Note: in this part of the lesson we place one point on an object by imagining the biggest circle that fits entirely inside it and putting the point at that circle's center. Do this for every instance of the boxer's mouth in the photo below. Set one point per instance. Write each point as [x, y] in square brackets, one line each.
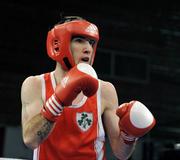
[85, 59]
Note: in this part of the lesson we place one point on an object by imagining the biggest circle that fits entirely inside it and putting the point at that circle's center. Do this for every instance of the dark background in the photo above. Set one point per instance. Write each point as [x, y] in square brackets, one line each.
[139, 52]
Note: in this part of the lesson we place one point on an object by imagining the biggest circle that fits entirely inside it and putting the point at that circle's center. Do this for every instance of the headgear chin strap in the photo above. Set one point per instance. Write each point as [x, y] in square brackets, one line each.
[59, 38]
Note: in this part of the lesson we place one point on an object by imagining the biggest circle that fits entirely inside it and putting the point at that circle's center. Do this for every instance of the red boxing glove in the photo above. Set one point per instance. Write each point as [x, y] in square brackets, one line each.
[80, 78]
[135, 120]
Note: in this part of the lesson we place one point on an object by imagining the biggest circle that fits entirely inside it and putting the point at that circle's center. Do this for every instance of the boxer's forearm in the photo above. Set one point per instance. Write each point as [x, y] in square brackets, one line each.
[36, 130]
[122, 150]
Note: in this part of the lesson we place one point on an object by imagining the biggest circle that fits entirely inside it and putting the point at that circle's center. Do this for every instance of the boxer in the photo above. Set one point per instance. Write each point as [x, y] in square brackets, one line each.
[67, 112]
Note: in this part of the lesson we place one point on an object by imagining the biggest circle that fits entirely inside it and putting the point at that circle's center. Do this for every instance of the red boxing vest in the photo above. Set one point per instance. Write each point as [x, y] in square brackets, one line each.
[78, 133]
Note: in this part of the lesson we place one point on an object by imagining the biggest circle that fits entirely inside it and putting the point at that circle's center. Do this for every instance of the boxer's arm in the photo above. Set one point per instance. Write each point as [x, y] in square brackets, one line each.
[111, 120]
[35, 128]
[37, 121]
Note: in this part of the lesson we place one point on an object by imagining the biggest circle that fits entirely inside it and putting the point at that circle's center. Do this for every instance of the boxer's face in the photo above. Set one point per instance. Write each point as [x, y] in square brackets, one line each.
[82, 49]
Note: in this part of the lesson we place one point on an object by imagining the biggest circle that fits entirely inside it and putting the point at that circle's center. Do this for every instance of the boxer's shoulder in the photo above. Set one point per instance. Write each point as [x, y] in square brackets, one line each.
[33, 81]
[108, 95]
[107, 86]
[32, 86]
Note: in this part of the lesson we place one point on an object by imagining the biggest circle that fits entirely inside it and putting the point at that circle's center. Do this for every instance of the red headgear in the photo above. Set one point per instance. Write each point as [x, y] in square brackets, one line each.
[59, 38]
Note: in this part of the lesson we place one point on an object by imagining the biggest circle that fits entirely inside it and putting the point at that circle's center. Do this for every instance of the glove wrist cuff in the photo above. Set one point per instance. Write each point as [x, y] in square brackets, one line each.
[52, 108]
[127, 138]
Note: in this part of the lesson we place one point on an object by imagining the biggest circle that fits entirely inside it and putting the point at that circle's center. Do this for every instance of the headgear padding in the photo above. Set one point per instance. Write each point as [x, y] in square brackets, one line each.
[59, 39]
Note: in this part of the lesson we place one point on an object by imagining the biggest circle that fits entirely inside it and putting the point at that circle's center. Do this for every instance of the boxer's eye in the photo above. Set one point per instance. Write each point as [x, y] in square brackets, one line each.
[91, 42]
[79, 39]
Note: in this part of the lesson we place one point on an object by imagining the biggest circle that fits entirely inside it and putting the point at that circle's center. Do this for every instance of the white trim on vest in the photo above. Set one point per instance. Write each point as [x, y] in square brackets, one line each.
[53, 81]
[99, 143]
[43, 91]
[81, 103]
[36, 154]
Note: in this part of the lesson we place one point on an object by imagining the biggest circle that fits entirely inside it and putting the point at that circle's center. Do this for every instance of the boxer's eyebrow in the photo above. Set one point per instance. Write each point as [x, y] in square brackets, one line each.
[90, 40]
